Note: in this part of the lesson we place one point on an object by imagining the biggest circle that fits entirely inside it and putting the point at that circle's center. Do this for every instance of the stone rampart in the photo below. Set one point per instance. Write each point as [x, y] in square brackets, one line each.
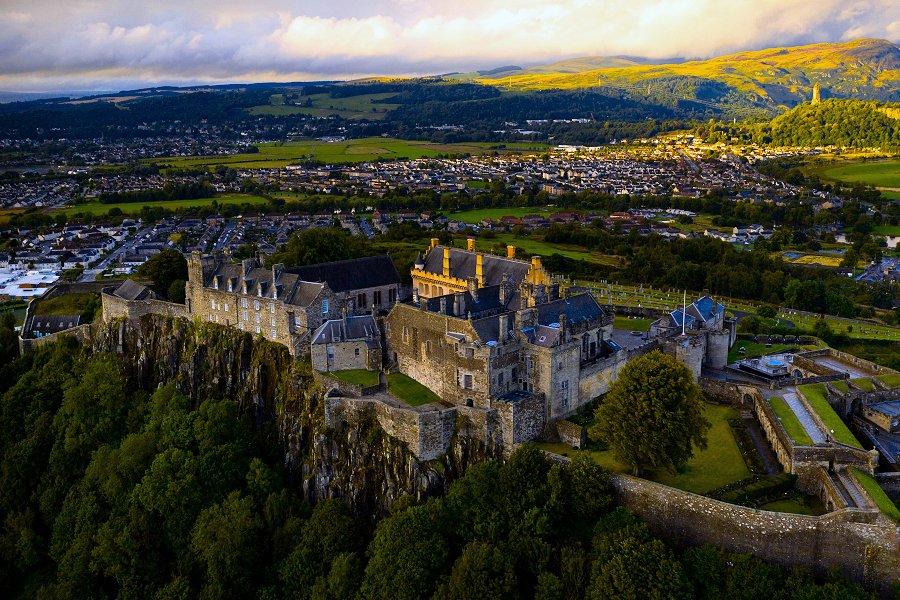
[778, 439]
[722, 391]
[857, 362]
[132, 310]
[426, 434]
[522, 420]
[861, 544]
[82, 333]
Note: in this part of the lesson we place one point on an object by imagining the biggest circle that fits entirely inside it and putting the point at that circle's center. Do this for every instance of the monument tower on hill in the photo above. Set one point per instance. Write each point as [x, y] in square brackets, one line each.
[817, 93]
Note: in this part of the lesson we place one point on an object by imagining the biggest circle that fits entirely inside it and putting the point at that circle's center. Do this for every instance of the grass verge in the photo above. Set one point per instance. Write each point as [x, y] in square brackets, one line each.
[815, 394]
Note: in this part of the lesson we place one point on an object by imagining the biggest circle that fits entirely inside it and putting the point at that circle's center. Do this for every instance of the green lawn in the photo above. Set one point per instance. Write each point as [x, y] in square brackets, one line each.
[409, 390]
[720, 464]
[885, 504]
[892, 379]
[632, 324]
[67, 304]
[323, 105]
[863, 383]
[815, 394]
[887, 229]
[281, 154]
[133, 208]
[792, 505]
[789, 421]
[357, 376]
[534, 246]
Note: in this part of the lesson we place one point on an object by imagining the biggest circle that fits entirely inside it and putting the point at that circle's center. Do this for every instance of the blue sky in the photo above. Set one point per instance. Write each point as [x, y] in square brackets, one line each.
[95, 44]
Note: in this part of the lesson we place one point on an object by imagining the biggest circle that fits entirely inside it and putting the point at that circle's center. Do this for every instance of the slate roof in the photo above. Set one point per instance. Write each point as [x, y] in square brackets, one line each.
[288, 287]
[542, 335]
[462, 266]
[582, 307]
[706, 308]
[132, 290]
[352, 274]
[488, 300]
[47, 324]
[349, 329]
[677, 316]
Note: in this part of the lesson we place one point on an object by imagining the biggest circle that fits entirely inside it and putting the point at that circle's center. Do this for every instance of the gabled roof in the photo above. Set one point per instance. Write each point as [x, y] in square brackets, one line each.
[132, 290]
[677, 316]
[706, 308]
[462, 266]
[348, 329]
[352, 274]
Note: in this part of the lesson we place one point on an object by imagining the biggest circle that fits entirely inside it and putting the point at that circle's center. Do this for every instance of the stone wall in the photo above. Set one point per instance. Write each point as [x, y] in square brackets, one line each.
[890, 483]
[571, 433]
[347, 355]
[522, 420]
[132, 310]
[720, 390]
[860, 363]
[82, 333]
[426, 434]
[861, 544]
[778, 438]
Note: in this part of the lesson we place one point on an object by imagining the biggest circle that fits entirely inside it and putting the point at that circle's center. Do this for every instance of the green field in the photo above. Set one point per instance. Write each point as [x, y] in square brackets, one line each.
[887, 229]
[281, 154]
[632, 324]
[477, 215]
[540, 248]
[879, 173]
[134, 208]
[357, 377]
[720, 464]
[815, 393]
[323, 105]
[790, 422]
[409, 390]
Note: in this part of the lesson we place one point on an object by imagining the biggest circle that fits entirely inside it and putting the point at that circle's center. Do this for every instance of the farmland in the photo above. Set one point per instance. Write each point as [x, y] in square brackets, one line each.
[365, 106]
[879, 173]
[281, 154]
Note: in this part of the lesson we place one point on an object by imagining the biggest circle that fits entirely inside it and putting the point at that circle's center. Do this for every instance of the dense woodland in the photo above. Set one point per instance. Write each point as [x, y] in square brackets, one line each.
[110, 491]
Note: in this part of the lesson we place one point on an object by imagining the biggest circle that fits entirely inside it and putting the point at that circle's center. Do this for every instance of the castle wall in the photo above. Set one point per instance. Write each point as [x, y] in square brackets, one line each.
[347, 355]
[717, 345]
[132, 310]
[690, 349]
[522, 420]
[571, 433]
[861, 544]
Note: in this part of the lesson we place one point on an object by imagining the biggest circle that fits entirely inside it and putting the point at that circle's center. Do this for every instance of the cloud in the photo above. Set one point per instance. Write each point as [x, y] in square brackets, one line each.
[48, 44]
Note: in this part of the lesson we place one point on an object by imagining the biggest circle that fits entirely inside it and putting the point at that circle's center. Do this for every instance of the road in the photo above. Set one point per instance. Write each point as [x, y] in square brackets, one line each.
[121, 251]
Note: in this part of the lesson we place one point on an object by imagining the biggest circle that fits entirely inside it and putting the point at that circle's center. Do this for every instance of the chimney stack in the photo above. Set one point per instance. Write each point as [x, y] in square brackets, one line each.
[470, 244]
[434, 242]
[443, 305]
[562, 328]
[459, 304]
[504, 327]
[510, 251]
[446, 262]
[479, 269]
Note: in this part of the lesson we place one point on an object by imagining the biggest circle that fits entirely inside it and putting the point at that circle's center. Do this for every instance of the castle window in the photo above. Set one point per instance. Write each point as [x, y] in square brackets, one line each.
[564, 393]
[215, 283]
[229, 286]
[467, 382]
[356, 351]
[325, 306]
[392, 295]
[257, 320]
[257, 329]
[272, 308]
[212, 304]
[376, 298]
[226, 307]
[273, 334]
[298, 322]
[256, 304]
[405, 333]
[243, 303]
[273, 321]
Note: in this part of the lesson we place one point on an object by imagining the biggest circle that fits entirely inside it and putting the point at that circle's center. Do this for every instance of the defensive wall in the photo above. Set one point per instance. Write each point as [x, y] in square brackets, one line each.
[857, 362]
[82, 332]
[861, 544]
[132, 310]
[595, 379]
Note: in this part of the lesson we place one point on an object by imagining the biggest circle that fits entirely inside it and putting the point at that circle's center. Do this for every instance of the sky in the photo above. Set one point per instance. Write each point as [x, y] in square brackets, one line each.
[121, 44]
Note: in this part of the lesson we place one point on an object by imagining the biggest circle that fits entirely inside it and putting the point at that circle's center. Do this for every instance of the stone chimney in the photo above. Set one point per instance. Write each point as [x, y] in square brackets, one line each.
[277, 270]
[470, 244]
[504, 327]
[479, 269]
[506, 289]
[345, 323]
[443, 305]
[434, 242]
[459, 304]
[553, 292]
[562, 329]
[246, 265]
[510, 251]
[446, 262]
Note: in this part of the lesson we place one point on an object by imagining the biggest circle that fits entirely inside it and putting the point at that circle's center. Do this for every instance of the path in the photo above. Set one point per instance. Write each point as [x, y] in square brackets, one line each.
[842, 367]
[796, 405]
[766, 455]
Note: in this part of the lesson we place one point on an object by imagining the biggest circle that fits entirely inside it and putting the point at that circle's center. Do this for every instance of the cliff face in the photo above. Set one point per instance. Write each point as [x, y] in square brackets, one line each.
[357, 462]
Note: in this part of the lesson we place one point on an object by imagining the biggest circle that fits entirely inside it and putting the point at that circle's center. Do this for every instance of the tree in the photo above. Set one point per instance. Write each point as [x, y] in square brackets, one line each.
[482, 571]
[164, 269]
[652, 416]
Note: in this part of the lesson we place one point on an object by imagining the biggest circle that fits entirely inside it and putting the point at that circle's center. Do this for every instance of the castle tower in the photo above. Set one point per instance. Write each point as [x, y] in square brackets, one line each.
[817, 93]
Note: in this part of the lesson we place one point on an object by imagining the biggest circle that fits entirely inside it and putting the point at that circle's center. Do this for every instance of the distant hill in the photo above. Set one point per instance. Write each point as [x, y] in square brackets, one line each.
[772, 80]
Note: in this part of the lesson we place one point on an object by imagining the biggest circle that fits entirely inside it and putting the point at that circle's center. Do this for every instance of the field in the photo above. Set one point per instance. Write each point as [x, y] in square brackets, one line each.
[6, 214]
[887, 229]
[323, 105]
[815, 393]
[720, 464]
[632, 324]
[134, 208]
[879, 173]
[861, 329]
[814, 259]
[477, 215]
[539, 247]
[281, 154]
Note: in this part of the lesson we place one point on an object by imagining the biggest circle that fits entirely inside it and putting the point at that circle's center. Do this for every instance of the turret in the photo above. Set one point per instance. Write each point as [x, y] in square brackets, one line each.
[420, 262]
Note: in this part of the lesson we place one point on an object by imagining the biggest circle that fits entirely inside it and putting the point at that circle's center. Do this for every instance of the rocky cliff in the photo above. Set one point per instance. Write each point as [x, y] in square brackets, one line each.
[357, 462]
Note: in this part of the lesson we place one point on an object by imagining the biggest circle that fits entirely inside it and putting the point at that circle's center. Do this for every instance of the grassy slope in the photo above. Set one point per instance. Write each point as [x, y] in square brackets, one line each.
[133, 208]
[409, 390]
[68, 304]
[357, 376]
[815, 393]
[877, 494]
[789, 421]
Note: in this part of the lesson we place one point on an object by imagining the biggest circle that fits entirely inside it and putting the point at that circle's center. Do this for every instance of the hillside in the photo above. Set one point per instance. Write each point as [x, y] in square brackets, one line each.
[834, 122]
[765, 79]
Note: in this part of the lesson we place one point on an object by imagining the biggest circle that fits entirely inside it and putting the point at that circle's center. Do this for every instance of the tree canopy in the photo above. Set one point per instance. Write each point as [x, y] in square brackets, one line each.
[652, 416]
[164, 269]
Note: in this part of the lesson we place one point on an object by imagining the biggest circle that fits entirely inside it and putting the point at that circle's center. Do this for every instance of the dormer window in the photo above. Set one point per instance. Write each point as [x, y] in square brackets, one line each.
[215, 283]
[229, 286]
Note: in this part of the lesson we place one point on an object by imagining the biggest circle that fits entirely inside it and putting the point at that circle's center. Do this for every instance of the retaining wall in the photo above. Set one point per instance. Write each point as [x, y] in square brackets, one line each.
[132, 310]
